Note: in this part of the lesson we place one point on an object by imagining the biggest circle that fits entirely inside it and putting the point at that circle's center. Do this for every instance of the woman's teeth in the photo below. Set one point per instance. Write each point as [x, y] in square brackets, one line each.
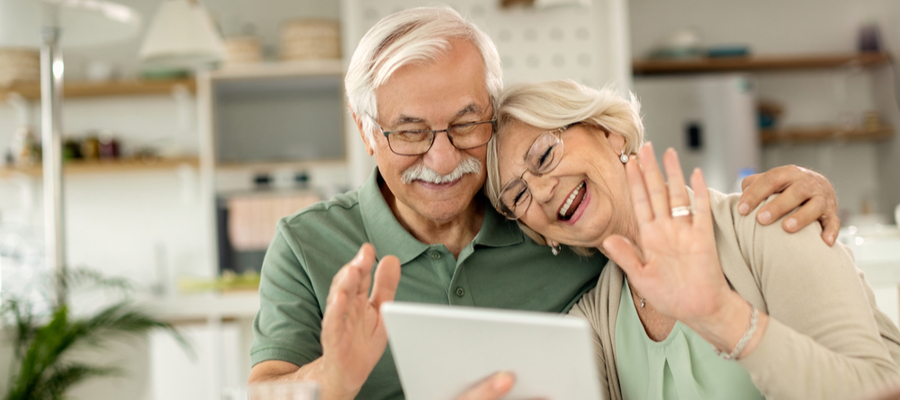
[565, 208]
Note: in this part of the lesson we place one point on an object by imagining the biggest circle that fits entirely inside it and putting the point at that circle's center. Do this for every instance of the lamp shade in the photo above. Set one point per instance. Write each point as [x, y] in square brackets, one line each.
[182, 35]
[86, 22]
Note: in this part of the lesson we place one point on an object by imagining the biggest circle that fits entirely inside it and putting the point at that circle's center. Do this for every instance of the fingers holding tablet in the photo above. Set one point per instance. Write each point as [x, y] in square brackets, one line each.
[491, 388]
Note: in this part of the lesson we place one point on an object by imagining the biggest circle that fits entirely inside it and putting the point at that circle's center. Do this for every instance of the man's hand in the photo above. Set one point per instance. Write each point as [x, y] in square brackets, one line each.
[353, 334]
[798, 187]
[492, 388]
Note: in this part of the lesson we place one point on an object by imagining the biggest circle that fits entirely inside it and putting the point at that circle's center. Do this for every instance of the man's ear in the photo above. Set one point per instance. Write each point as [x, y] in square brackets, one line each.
[362, 134]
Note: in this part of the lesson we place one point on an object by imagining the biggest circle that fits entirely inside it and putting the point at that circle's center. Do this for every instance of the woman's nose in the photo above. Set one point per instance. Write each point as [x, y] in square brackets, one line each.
[541, 187]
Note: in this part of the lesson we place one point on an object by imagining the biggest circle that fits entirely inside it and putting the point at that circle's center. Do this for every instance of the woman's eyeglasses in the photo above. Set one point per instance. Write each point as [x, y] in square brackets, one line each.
[542, 157]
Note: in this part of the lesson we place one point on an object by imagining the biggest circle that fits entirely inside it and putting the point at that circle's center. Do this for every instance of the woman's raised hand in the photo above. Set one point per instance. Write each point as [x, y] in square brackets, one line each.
[674, 266]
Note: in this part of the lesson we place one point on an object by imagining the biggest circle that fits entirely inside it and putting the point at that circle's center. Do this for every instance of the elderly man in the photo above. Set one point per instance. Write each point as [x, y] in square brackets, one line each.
[422, 88]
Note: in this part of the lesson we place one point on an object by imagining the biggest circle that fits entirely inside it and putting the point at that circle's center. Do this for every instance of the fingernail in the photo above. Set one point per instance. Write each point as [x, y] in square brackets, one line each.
[743, 208]
[764, 217]
[791, 224]
[501, 381]
[831, 240]
[359, 256]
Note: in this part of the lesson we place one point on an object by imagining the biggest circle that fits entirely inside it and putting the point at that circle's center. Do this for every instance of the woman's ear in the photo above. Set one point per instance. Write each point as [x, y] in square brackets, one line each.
[616, 141]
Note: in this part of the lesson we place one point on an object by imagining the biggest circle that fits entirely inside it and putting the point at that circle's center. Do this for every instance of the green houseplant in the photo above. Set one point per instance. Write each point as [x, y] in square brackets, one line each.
[44, 333]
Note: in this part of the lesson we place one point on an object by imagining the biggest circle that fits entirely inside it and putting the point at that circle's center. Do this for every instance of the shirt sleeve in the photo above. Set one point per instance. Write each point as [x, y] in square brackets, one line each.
[596, 307]
[289, 321]
[822, 341]
[585, 309]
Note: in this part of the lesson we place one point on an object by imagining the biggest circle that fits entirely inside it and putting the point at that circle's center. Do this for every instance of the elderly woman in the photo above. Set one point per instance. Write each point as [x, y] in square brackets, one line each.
[698, 301]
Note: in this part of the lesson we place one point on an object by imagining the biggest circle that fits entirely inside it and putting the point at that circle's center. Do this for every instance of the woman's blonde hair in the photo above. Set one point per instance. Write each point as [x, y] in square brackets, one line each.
[552, 104]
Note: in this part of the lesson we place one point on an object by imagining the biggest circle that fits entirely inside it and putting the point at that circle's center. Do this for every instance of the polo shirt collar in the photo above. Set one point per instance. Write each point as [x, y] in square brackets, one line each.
[382, 227]
[390, 238]
[496, 230]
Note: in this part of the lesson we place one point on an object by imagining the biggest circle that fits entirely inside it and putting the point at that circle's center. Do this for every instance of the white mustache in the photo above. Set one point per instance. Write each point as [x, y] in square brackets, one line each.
[420, 172]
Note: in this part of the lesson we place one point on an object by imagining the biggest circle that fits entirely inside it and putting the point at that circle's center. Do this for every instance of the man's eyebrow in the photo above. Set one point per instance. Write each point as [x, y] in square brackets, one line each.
[469, 109]
[406, 119]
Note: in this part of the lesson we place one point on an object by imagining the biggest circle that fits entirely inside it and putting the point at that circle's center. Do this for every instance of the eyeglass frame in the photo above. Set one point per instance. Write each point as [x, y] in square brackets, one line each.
[434, 132]
[558, 134]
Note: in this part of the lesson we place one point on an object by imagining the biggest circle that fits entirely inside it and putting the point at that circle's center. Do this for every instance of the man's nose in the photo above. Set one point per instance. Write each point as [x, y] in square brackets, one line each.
[443, 156]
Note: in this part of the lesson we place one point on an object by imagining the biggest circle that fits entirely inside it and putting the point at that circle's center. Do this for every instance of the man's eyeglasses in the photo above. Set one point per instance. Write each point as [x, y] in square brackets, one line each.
[413, 142]
[542, 157]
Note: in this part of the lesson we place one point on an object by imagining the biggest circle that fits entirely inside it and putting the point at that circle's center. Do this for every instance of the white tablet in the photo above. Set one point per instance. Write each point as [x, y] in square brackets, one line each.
[440, 351]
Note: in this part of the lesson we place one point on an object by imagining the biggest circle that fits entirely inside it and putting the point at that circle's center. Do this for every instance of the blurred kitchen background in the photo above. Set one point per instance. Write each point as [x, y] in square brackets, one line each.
[174, 177]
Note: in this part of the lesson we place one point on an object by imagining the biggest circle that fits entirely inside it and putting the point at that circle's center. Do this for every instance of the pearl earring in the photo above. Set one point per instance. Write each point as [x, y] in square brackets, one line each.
[554, 247]
[623, 158]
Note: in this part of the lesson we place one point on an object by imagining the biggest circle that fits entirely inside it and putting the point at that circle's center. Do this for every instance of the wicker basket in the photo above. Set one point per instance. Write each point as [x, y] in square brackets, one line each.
[243, 50]
[19, 65]
[306, 39]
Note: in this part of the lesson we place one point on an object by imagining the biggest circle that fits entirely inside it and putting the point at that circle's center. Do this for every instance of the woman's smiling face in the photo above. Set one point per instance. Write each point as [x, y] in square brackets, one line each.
[581, 201]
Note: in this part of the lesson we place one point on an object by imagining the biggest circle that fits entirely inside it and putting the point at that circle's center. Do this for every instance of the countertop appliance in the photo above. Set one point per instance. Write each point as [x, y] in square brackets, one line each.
[709, 119]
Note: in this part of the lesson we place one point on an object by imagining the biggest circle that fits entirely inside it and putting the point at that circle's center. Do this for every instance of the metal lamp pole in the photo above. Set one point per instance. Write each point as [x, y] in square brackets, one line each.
[51, 136]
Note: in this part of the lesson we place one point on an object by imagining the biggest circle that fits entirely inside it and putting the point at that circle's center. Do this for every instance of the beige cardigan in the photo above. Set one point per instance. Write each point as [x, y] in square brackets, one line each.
[825, 338]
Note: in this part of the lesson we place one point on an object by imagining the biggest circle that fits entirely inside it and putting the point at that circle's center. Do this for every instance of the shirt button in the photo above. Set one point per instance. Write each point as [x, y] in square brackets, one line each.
[435, 255]
[460, 292]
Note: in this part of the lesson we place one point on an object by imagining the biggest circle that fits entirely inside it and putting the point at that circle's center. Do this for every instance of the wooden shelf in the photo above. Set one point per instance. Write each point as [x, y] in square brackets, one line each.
[121, 165]
[756, 63]
[32, 91]
[822, 134]
[280, 69]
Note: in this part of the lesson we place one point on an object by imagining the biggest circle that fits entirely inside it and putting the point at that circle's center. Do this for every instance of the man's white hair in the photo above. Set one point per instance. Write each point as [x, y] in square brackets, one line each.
[414, 35]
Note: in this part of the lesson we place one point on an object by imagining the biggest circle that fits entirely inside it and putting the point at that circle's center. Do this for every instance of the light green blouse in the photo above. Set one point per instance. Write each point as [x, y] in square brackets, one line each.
[683, 366]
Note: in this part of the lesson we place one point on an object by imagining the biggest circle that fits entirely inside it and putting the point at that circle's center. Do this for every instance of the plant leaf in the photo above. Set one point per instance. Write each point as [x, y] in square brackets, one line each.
[66, 375]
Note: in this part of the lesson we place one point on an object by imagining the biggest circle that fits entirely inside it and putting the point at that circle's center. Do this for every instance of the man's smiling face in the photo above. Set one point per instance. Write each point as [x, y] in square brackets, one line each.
[438, 94]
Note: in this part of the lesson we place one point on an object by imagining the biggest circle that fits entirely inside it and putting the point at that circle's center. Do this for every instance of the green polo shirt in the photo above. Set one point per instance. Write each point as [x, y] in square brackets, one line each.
[500, 268]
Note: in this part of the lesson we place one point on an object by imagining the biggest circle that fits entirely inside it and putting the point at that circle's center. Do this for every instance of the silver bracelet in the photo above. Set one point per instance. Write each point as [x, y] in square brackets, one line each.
[754, 318]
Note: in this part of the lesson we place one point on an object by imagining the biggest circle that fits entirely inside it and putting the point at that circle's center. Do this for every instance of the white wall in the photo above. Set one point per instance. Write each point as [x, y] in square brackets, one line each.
[858, 171]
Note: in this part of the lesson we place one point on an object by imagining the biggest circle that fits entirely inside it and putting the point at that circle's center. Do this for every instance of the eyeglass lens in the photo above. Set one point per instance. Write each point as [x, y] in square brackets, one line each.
[542, 157]
[463, 136]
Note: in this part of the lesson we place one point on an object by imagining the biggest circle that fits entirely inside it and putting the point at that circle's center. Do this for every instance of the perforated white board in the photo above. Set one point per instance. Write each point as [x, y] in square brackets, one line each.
[587, 44]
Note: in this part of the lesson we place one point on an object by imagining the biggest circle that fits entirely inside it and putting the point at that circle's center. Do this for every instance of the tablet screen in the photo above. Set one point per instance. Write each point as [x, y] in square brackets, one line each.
[440, 351]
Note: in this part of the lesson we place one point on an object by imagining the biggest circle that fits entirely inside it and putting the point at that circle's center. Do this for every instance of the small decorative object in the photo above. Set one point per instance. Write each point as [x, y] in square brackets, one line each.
[108, 147]
[243, 50]
[769, 111]
[25, 148]
[870, 38]
[683, 43]
[305, 39]
[19, 65]
[90, 148]
[728, 51]
[71, 150]
[99, 71]
[871, 121]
